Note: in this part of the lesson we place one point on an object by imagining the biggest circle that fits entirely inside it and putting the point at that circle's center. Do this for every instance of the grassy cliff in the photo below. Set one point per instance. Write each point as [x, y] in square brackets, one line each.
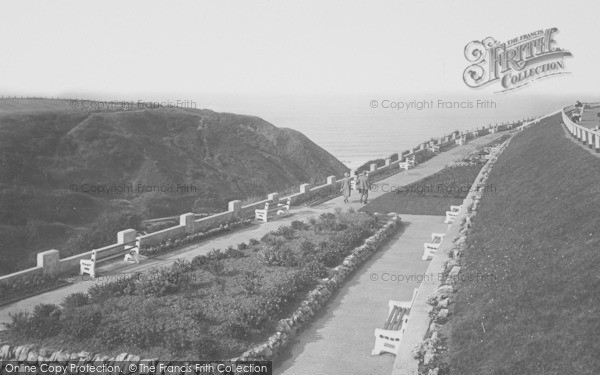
[53, 157]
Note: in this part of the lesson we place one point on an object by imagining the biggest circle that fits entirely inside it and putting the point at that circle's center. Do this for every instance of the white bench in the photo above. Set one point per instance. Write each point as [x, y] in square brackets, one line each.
[388, 339]
[270, 211]
[475, 134]
[130, 252]
[452, 214]
[433, 148]
[429, 249]
[461, 140]
[408, 163]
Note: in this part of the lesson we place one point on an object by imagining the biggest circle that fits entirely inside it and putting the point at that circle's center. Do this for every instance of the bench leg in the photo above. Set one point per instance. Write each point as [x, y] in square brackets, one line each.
[387, 341]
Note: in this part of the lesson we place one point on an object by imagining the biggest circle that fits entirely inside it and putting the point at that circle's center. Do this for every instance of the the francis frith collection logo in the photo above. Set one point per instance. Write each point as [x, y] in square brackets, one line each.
[514, 63]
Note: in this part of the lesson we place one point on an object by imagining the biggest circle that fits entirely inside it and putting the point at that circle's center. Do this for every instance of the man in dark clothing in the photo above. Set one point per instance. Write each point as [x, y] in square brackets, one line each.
[363, 185]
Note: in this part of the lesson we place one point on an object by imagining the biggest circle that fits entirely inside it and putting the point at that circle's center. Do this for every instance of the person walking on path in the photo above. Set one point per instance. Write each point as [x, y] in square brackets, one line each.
[345, 189]
[363, 185]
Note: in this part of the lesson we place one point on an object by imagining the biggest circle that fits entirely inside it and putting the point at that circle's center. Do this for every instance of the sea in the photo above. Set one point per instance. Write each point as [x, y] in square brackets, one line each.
[357, 129]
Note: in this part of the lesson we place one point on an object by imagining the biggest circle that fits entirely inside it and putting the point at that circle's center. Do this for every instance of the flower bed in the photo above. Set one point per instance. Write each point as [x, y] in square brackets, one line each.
[216, 306]
[317, 298]
[174, 243]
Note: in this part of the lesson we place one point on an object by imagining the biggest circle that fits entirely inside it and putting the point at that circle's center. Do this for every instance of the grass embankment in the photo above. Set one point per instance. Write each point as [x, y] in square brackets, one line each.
[216, 306]
[432, 195]
[539, 235]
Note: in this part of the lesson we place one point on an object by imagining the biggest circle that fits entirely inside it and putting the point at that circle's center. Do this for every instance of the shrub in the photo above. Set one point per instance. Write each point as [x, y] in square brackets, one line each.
[299, 225]
[308, 250]
[215, 267]
[314, 270]
[181, 266]
[199, 261]
[81, 322]
[120, 287]
[329, 254]
[350, 238]
[160, 282]
[234, 253]
[278, 256]
[19, 323]
[337, 210]
[285, 231]
[251, 282]
[74, 300]
[328, 222]
[242, 246]
[253, 242]
[216, 254]
[44, 320]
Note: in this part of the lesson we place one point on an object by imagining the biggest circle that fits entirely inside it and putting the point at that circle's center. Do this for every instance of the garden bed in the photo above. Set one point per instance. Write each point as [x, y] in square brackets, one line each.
[432, 195]
[175, 243]
[216, 306]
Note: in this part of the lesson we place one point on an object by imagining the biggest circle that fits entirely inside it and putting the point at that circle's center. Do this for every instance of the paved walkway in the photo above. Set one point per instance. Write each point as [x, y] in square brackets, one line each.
[590, 118]
[340, 340]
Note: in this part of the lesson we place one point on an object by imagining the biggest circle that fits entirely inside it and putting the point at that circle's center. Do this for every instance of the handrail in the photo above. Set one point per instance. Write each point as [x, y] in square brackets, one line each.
[586, 136]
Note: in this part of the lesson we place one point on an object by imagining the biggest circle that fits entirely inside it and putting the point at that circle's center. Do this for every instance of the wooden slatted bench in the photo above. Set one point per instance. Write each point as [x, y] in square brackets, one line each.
[452, 214]
[433, 148]
[270, 211]
[410, 162]
[430, 248]
[130, 251]
[387, 339]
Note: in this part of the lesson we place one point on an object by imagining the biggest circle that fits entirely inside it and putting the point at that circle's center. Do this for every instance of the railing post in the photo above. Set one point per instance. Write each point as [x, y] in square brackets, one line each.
[50, 262]
[273, 198]
[187, 220]
[235, 207]
[126, 236]
[373, 167]
[304, 188]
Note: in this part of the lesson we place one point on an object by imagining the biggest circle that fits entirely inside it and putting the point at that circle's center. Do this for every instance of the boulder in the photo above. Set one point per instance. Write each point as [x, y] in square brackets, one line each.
[443, 313]
[32, 356]
[428, 358]
[6, 352]
[22, 352]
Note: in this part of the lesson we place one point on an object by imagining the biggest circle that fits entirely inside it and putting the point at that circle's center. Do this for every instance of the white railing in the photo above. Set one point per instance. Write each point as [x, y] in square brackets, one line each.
[589, 137]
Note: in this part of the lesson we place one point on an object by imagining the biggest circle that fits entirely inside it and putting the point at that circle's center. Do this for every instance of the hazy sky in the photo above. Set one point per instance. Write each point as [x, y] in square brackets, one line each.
[131, 49]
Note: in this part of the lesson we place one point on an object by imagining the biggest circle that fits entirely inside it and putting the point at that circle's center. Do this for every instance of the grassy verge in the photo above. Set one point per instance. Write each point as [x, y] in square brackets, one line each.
[539, 235]
[432, 195]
